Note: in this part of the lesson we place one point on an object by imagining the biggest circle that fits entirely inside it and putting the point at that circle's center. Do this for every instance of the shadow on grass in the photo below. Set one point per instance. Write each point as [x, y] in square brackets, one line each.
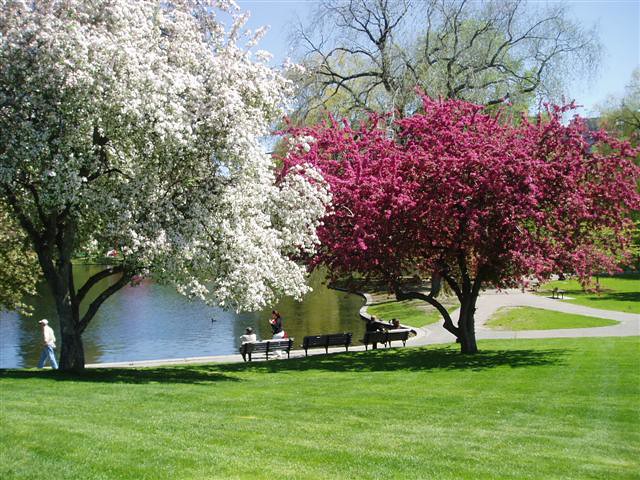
[408, 359]
[382, 360]
[617, 296]
[605, 295]
[192, 374]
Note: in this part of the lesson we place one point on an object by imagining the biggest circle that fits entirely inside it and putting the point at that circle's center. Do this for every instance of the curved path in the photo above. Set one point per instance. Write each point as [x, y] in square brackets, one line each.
[487, 304]
[491, 301]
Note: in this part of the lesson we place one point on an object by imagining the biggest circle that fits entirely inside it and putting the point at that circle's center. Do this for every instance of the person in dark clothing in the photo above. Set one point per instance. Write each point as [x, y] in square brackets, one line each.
[372, 326]
[276, 328]
[276, 325]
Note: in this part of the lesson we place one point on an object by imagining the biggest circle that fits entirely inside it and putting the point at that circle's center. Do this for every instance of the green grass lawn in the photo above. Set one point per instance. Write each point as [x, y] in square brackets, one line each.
[415, 313]
[618, 293]
[521, 409]
[528, 318]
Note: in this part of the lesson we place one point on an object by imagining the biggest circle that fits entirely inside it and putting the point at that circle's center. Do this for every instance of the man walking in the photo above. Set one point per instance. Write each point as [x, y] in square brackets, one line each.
[49, 340]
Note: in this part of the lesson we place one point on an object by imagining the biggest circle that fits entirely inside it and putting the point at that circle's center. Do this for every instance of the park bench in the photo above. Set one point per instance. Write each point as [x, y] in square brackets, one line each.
[557, 293]
[534, 285]
[326, 341]
[386, 337]
[266, 347]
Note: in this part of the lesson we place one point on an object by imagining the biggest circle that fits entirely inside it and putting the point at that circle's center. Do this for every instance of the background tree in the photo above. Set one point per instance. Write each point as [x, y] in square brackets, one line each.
[469, 200]
[376, 52]
[621, 116]
[19, 270]
[134, 129]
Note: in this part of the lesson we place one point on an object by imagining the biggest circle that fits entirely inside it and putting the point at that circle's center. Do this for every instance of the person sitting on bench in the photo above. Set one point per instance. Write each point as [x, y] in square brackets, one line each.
[248, 337]
[372, 326]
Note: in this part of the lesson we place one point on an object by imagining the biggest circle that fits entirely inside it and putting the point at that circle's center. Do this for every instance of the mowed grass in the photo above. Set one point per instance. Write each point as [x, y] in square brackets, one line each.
[528, 318]
[415, 313]
[617, 293]
[520, 409]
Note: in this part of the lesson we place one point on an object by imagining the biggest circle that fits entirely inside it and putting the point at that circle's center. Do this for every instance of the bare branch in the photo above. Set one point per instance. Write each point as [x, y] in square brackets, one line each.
[483, 51]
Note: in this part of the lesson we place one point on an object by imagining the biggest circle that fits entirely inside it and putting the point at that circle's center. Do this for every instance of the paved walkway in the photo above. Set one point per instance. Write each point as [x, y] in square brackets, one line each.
[487, 304]
[491, 301]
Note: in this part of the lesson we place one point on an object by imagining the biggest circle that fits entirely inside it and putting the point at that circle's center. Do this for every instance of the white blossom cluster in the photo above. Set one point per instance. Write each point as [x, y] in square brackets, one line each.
[140, 123]
[302, 142]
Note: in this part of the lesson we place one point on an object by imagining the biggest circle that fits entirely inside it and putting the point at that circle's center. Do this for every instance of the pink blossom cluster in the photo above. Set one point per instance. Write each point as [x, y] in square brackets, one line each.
[456, 189]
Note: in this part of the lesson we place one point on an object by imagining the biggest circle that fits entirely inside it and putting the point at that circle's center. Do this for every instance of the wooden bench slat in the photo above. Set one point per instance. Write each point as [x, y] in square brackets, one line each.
[386, 337]
[326, 341]
[266, 347]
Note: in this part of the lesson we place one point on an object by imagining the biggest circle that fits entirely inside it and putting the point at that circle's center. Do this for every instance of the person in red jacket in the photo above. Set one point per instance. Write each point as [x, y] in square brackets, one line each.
[276, 325]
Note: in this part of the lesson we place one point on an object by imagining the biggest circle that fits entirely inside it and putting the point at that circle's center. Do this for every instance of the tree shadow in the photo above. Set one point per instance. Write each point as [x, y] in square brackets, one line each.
[617, 296]
[381, 360]
[191, 374]
[408, 359]
[604, 294]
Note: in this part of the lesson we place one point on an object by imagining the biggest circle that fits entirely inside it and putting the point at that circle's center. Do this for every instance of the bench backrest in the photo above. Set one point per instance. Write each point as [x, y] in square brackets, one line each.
[387, 336]
[375, 337]
[267, 346]
[327, 340]
[399, 334]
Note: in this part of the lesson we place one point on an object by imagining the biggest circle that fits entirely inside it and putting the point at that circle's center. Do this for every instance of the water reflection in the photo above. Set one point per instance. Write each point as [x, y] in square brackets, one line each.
[152, 321]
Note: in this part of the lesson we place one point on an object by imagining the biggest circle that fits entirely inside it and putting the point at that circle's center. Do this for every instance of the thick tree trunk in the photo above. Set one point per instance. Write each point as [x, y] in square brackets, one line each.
[467, 290]
[466, 326]
[466, 322]
[71, 349]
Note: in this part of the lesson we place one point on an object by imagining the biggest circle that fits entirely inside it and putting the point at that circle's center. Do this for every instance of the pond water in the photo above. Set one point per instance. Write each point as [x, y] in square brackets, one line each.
[152, 321]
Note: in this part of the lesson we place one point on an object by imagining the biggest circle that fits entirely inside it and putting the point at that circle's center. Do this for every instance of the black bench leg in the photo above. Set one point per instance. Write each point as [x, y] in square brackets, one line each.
[305, 352]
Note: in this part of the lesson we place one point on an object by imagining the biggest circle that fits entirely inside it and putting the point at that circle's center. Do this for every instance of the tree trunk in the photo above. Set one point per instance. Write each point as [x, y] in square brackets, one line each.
[467, 336]
[71, 349]
[466, 325]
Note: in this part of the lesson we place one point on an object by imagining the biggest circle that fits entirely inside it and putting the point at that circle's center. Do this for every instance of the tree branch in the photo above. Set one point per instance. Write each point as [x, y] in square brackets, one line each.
[94, 279]
[95, 305]
[448, 323]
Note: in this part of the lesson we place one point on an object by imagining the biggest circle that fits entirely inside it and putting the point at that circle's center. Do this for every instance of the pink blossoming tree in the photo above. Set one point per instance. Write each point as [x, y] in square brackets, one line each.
[470, 199]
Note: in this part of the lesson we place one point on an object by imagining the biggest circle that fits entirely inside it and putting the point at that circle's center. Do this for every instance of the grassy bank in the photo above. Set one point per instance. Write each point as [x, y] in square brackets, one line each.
[521, 409]
[528, 318]
[616, 293]
[415, 313]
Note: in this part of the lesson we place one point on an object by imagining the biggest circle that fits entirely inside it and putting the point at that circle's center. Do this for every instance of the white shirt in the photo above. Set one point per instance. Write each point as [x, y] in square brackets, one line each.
[49, 336]
[248, 338]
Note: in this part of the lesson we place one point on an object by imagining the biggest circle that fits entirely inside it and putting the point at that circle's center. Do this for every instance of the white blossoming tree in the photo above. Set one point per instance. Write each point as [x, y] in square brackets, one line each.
[135, 128]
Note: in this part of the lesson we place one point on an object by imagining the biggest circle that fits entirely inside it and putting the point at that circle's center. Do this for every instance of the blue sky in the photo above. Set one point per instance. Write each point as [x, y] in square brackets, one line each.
[618, 22]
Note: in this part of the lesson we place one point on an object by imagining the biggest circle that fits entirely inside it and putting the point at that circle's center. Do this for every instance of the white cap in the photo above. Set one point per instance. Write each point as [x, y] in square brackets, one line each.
[44, 321]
